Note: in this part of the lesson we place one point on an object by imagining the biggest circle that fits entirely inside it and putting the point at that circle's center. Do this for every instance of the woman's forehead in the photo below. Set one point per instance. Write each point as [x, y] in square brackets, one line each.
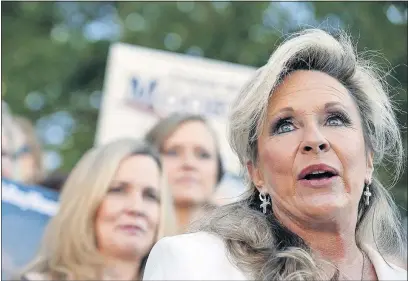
[303, 89]
[191, 133]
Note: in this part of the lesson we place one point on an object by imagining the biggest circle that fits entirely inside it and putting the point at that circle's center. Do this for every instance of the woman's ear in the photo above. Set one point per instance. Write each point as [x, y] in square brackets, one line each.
[370, 168]
[255, 174]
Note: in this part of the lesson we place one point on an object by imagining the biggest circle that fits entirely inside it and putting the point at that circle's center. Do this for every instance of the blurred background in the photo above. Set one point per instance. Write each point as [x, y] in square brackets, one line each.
[54, 54]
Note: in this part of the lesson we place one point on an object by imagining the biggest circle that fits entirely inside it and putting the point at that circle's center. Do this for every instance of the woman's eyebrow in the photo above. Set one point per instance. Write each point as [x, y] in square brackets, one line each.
[282, 110]
[333, 104]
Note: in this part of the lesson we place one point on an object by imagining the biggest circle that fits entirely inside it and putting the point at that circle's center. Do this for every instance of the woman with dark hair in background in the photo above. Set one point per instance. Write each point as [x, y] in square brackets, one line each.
[191, 160]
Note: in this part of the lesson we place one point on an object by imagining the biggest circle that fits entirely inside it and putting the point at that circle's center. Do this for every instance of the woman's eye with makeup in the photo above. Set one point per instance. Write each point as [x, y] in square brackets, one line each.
[286, 128]
[334, 122]
[338, 119]
[283, 126]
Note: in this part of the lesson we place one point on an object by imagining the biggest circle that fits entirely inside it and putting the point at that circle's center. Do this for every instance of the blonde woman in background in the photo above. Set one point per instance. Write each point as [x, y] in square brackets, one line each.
[113, 208]
[192, 162]
[309, 128]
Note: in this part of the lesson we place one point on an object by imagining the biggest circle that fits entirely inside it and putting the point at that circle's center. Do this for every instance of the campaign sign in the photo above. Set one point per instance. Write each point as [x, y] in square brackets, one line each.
[25, 213]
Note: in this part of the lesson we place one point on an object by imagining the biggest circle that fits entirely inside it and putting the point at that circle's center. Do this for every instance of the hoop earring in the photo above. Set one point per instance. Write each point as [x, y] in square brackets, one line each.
[367, 194]
[265, 201]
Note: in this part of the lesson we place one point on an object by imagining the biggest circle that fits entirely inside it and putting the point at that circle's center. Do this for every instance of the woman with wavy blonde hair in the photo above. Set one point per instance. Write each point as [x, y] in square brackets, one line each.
[113, 208]
[309, 128]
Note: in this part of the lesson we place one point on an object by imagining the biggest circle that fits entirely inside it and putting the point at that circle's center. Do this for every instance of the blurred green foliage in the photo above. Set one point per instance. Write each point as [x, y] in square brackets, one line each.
[54, 53]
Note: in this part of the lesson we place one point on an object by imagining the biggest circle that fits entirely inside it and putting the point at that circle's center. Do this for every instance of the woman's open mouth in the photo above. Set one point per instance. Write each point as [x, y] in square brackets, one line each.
[318, 175]
[317, 179]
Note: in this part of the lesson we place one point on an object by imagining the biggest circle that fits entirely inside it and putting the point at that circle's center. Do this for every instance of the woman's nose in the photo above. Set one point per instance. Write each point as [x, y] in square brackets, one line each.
[314, 142]
[316, 147]
[189, 160]
[134, 202]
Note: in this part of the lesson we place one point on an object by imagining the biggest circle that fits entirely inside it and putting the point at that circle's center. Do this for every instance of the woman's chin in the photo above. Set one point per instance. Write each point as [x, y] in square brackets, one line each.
[127, 251]
[191, 200]
[326, 205]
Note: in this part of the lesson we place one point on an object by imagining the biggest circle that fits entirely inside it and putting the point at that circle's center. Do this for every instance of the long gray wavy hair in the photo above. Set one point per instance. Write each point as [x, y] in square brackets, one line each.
[258, 243]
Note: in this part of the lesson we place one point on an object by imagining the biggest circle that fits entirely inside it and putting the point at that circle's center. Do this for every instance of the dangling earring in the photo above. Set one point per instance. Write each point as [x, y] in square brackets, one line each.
[265, 201]
[367, 194]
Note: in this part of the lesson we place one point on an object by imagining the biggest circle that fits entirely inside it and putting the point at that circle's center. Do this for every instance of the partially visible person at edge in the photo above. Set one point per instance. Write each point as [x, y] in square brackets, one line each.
[13, 147]
[113, 208]
[29, 154]
[310, 128]
[7, 147]
[192, 163]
